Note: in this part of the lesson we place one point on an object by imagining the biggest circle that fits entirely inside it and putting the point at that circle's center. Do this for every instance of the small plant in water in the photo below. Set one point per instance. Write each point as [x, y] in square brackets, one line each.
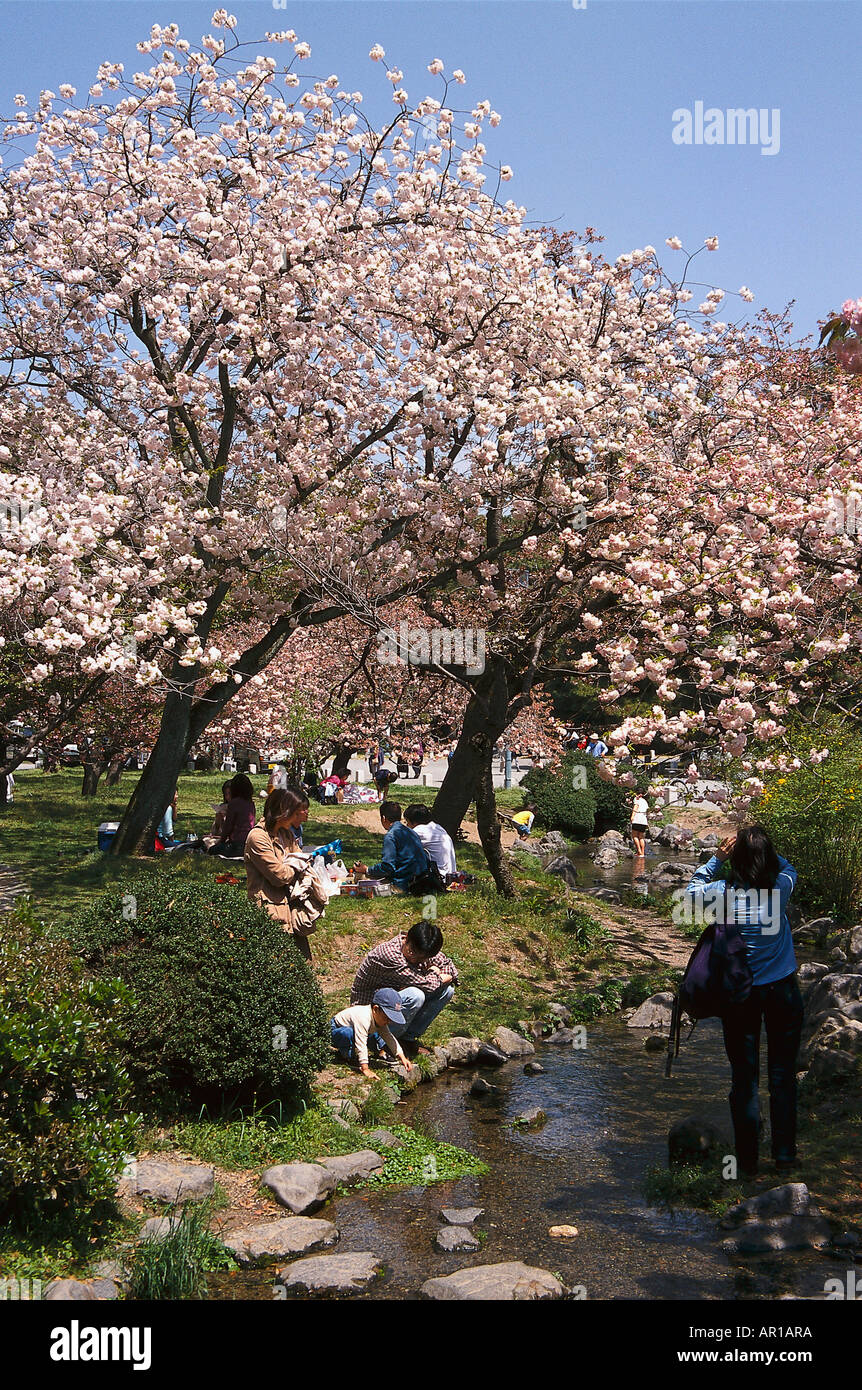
[176, 1266]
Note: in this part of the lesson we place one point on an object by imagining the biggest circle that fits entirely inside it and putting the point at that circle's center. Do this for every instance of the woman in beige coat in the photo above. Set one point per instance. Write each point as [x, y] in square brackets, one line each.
[268, 853]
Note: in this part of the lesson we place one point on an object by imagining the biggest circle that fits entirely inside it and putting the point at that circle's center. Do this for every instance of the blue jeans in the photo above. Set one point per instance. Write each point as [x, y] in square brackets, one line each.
[780, 1006]
[343, 1039]
[420, 1010]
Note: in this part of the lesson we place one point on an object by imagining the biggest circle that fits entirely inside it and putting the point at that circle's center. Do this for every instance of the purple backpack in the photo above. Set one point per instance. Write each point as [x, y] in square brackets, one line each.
[717, 975]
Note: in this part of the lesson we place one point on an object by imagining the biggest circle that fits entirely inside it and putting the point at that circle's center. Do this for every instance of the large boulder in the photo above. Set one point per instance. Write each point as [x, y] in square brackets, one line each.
[708, 841]
[835, 1053]
[463, 1052]
[553, 843]
[674, 869]
[809, 973]
[512, 1043]
[692, 1141]
[835, 993]
[672, 836]
[611, 837]
[560, 1011]
[508, 1282]
[356, 1167]
[562, 867]
[301, 1187]
[69, 1290]
[170, 1181]
[290, 1235]
[781, 1233]
[330, 1274]
[654, 1012]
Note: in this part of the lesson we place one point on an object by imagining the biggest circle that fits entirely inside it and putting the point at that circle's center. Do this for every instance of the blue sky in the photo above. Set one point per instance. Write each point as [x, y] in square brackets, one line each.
[587, 98]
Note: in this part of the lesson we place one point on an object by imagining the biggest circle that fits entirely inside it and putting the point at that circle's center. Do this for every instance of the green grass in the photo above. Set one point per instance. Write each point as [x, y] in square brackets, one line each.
[258, 1141]
[691, 1186]
[176, 1267]
[64, 1246]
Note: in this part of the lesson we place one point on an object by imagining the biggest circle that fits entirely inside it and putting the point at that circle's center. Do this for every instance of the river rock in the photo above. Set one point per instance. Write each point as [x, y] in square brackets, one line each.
[533, 1118]
[563, 1232]
[561, 1012]
[527, 847]
[780, 1233]
[533, 1069]
[441, 1057]
[836, 1052]
[553, 842]
[512, 1044]
[322, 1274]
[301, 1187]
[692, 1140]
[606, 858]
[430, 1068]
[490, 1056]
[512, 1281]
[605, 895]
[355, 1167]
[654, 1012]
[408, 1077]
[672, 869]
[563, 868]
[290, 1235]
[463, 1052]
[790, 1199]
[672, 836]
[562, 1037]
[854, 946]
[809, 973]
[385, 1139]
[708, 841]
[480, 1087]
[461, 1216]
[654, 1043]
[611, 837]
[456, 1238]
[158, 1228]
[836, 993]
[168, 1180]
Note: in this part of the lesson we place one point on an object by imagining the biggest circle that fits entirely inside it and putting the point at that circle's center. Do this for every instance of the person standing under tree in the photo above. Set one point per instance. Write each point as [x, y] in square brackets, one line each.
[640, 811]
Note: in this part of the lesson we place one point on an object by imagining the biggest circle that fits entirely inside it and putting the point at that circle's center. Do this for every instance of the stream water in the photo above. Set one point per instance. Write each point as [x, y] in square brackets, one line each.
[609, 1109]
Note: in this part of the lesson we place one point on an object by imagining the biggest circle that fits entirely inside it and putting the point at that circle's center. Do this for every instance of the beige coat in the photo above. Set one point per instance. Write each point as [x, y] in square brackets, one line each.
[269, 874]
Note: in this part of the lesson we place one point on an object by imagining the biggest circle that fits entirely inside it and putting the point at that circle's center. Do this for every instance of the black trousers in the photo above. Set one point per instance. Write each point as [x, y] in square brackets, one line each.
[779, 1005]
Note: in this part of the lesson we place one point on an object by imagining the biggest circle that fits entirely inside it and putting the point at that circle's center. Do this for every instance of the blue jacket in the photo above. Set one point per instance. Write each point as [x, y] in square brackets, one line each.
[403, 856]
[760, 914]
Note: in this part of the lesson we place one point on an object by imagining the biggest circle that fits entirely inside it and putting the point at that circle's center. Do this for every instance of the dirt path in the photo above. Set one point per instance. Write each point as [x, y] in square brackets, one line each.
[641, 939]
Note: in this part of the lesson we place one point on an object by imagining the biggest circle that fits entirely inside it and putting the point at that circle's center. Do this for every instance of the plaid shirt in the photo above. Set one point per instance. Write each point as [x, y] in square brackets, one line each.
[385, 966]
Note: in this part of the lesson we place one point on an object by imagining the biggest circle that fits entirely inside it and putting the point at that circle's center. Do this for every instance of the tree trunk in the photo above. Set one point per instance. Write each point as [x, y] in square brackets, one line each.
[159, 778]
[343, 753]
[92, 777]
[112, 776]
[489, 832]
[485, 719]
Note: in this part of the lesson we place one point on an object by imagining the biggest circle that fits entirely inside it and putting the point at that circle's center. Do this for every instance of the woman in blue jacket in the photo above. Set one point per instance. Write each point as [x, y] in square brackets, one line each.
[755, 895]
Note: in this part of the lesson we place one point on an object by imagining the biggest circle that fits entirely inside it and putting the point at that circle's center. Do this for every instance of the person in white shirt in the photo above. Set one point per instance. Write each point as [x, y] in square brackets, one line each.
[639, 825]
[362, 1027]
[436, 840]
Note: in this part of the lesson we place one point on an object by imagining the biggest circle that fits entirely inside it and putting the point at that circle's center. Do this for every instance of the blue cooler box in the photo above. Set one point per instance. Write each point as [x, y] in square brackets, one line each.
[106, 832]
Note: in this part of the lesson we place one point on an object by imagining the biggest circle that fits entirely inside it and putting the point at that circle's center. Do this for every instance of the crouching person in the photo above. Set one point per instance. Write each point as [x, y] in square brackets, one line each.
[413, 965]
[364, 1028]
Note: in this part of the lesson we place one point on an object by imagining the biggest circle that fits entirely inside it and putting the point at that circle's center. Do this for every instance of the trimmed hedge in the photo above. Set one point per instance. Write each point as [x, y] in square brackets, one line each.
[63, 1087]
[223, 999]
[562, 803]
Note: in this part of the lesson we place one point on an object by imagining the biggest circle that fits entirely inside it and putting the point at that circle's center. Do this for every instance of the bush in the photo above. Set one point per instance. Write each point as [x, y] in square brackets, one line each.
[814, 816]
[224, 1000]
[63, 1137]
[576, 799]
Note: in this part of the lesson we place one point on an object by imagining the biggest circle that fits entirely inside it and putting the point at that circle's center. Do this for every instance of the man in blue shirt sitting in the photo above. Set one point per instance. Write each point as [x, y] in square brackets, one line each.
[403, 852]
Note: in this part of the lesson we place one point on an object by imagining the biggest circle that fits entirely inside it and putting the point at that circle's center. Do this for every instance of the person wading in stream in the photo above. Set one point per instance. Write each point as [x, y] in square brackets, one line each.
[755, 896]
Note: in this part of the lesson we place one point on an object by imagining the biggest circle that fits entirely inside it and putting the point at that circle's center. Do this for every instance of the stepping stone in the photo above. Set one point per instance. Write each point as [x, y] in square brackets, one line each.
[490, 1056]
[534, 1118]
[80, 1290]
[331, 1273]
[512, 1043]
[507, 1282]
[461, 1216]
[168, 1180]
[480, 1087]
[301, 1187]
[354, 1167]
[463, 1052]
[290, 1235]
[456, 1238]
[533, 1069]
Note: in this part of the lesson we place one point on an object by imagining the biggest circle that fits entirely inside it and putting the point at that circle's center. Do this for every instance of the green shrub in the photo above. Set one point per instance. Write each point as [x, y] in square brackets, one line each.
[224, 1000]
[576, 799]
[63, 1135]
[814, 816]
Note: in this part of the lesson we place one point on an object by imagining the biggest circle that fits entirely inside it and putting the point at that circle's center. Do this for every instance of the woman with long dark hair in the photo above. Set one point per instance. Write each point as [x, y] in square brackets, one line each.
[239, 819]
[756, 891]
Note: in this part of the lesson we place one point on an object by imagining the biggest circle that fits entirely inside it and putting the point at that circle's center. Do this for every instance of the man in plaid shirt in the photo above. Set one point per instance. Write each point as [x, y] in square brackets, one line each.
[415, 966]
